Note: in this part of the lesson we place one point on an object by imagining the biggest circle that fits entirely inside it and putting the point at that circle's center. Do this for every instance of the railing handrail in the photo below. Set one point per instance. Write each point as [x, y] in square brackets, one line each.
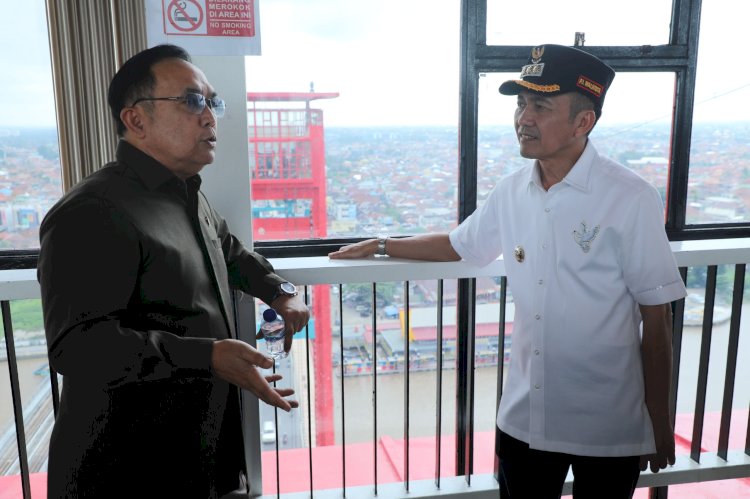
[22, 283]
[322, 270]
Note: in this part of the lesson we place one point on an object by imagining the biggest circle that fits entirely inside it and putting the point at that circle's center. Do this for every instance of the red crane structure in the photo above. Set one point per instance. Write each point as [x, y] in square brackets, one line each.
[287, 163]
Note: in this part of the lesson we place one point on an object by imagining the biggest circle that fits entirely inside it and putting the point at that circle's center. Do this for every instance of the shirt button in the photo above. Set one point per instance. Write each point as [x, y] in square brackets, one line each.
[537, 386]
[541, 281]
[537, 316]
[544, 246]
[536, 352]
[547, 210]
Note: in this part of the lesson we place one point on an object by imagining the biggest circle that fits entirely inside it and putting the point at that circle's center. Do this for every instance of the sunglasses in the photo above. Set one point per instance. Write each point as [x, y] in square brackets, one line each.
[195, 103]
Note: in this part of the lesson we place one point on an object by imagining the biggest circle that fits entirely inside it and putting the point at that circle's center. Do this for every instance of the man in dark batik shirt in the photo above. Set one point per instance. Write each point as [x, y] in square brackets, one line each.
[136, 272]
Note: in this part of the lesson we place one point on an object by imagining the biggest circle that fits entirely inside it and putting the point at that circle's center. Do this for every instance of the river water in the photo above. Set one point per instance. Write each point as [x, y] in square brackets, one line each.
[422, 391]
[390, 391]
[29, 382]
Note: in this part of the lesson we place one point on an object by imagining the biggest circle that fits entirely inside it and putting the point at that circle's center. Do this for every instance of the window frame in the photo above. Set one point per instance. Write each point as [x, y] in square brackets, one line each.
[679, 56]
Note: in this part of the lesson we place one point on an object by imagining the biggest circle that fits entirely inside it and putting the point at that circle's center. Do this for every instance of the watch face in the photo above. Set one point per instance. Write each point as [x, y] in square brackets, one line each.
[288, 288]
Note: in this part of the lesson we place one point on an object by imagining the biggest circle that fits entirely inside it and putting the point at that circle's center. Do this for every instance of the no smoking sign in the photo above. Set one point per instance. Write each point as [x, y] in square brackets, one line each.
[223, 18]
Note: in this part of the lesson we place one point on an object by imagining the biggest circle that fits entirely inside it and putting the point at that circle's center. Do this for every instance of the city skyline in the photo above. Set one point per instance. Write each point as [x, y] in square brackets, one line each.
[719, 192]
[388, 70]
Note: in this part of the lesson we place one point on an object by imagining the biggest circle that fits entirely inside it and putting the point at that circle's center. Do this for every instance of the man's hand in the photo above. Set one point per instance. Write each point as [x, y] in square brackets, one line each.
[295, 313]
[362, 249]
[427, 247]
[235, 361]
[665, 454]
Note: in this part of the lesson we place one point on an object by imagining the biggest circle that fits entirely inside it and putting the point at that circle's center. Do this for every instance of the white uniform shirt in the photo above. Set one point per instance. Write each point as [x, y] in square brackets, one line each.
[579, 258]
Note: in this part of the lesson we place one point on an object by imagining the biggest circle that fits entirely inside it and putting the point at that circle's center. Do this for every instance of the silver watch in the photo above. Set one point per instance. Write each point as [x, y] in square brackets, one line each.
[381, 245]
[285, 288]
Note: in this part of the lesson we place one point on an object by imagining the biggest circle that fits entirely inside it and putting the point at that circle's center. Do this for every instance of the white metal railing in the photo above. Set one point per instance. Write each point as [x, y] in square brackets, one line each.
[22, 284]
[321, 270]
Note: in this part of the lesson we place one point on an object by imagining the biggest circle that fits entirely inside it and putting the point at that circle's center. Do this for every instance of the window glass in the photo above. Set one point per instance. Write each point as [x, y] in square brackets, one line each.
[30, 183]
[719, 178]
[634, 128]
[553, 21]
[353, 111]
[30, 180]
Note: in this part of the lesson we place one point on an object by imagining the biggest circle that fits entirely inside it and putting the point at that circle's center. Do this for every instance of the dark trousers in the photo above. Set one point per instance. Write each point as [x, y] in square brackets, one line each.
[533, 474]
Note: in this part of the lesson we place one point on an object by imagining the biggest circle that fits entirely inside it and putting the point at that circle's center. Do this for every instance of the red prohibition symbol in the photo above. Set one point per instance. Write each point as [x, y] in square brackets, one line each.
[177, 13]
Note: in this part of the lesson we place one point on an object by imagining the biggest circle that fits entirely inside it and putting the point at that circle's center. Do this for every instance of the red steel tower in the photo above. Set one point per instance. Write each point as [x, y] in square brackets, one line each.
[287, 162]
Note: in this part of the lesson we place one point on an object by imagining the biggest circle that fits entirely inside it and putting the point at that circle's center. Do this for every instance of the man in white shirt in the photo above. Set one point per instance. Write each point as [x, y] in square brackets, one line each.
[589, 264]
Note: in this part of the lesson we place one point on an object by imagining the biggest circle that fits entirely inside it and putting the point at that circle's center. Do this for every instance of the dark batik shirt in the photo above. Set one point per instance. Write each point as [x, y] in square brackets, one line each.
[136, 271]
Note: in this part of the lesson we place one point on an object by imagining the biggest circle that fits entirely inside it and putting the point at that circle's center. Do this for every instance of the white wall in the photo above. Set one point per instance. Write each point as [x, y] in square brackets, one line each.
[227, 181]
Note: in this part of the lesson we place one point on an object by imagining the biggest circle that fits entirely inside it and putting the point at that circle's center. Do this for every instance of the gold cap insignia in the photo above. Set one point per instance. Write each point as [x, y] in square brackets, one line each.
[519, 253]
[536, 53]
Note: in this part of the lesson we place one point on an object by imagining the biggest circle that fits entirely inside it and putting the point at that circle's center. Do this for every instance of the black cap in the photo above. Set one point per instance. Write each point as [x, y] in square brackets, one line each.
[557, 69]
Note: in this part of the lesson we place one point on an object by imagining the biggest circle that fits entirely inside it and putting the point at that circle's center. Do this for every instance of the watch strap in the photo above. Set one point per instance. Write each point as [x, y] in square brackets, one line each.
[381, 245]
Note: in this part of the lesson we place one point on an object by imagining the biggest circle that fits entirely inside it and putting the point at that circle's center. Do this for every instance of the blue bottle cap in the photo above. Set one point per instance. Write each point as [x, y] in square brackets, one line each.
[269, 315]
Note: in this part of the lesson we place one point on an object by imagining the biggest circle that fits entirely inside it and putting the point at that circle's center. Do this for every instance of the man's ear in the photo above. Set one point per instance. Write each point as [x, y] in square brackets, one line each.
[134, 120]
[586, 121]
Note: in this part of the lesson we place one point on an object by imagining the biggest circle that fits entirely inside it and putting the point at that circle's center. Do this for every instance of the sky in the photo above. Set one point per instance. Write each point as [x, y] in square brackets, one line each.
[392, 61]
[395, 62]
[26, 97]
[409, 74]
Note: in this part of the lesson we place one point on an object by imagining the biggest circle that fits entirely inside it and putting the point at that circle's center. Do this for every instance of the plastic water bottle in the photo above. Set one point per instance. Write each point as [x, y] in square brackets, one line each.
[272, 330]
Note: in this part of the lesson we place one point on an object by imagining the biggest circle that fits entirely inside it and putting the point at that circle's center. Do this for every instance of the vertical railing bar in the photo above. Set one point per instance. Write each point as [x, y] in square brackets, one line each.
[700, 398]
[15, 388]
[374, 360]
[500, 359]
[470, 377]
[407, 361]
[732, 349]
[463, 317]
[276, 440]
[374, 389]
[501, 341]
[439, 385]
[658, 492]
[343, 397]
[309, 393]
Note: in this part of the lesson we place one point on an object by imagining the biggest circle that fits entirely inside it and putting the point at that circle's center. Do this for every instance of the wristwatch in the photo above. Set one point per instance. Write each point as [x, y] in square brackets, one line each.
[285, 288]
[381, 245]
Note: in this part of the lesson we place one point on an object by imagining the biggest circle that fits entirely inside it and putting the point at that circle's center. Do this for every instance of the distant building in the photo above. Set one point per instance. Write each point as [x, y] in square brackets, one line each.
[724, 209]
[346, 212]
[287, 163]
[423, 340]
[21, 216]
[649, 160]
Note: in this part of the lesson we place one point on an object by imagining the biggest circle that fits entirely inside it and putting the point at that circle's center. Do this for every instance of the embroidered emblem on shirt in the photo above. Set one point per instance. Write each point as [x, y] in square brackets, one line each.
[519, 253]
[584, 237]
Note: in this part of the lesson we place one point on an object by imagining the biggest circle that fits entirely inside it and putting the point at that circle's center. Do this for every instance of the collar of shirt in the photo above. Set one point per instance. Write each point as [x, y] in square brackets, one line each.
[153, 174]
[579, 177]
